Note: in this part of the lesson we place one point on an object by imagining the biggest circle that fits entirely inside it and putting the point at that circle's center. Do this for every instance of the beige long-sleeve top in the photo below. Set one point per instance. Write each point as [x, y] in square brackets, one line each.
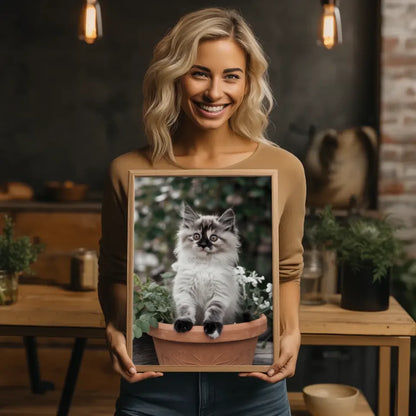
[291, 208]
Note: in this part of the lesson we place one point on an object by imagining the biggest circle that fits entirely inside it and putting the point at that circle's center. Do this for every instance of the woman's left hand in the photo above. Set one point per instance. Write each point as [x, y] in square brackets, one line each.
[286, 364]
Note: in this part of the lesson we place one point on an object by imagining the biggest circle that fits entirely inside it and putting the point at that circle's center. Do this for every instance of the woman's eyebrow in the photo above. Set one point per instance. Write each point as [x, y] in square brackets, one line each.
[204, 68]
[226, 71]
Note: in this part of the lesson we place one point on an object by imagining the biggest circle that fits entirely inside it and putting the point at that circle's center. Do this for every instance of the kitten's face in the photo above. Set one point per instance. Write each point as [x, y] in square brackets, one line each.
[208, 234]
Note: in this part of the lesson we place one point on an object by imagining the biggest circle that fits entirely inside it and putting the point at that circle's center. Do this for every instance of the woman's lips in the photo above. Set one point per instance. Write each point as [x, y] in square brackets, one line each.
[210, 110]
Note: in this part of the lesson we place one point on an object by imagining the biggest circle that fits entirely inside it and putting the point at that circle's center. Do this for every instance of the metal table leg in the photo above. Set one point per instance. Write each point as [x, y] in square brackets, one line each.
[37, 385]
[71, 376]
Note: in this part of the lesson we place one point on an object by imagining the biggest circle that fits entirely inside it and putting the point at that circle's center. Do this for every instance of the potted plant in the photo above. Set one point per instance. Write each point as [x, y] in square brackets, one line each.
[366, 249]
[153, 314]
[16, 256]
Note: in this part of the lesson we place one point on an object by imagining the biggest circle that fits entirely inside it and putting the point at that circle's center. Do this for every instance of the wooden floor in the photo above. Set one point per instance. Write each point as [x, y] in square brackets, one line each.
[96, 389]
[18, 401]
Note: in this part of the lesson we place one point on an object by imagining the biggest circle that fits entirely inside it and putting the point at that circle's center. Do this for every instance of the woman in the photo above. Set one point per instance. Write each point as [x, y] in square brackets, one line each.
[206, 102]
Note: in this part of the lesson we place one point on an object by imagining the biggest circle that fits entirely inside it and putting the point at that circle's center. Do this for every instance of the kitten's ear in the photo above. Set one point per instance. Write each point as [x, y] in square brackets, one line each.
[228, 220]
[189, 216]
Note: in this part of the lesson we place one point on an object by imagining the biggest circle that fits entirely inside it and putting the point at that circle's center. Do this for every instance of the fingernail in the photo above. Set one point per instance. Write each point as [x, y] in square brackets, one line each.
[270, 372]
[132, 370]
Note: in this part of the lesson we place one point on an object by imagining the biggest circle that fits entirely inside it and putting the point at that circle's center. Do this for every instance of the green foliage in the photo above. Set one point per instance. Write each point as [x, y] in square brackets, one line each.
[152, 303]
[359, 241]
[16, 255]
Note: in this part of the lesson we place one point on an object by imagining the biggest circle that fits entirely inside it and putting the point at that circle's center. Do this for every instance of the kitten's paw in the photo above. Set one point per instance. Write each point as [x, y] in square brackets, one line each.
[182, 325]
[213, 329]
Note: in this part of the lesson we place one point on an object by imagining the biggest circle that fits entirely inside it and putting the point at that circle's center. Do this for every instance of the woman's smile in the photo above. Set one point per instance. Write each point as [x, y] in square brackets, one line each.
[210, 110]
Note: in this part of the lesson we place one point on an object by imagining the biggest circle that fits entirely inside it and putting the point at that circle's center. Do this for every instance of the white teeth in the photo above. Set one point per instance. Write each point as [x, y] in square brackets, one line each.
[211, 109]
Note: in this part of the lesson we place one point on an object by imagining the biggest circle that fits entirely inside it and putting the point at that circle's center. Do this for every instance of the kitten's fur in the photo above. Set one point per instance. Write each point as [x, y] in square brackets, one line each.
[205, 290]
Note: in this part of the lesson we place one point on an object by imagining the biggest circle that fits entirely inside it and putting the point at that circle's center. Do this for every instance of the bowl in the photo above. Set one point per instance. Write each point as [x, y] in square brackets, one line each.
[65, 191]
[330, 399]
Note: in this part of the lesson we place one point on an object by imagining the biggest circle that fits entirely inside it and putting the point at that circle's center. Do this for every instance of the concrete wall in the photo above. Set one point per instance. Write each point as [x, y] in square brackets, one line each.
[68, 108]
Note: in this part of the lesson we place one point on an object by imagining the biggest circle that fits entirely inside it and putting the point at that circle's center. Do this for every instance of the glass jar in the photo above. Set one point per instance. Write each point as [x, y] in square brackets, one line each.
[8, 287]
[311, 280]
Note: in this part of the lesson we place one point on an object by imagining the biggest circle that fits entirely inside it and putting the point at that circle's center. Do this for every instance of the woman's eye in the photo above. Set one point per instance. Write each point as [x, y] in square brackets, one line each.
[199, 74]
[232, 76]
[196, 236]
[213, 238]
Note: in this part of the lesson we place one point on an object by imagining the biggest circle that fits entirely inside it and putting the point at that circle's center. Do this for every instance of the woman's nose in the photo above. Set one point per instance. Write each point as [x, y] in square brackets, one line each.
[213, 92]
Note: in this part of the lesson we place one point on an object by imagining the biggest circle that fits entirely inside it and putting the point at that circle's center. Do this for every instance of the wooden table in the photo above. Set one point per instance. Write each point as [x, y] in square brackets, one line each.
[57, 312]
[329, 324]
[53, 311]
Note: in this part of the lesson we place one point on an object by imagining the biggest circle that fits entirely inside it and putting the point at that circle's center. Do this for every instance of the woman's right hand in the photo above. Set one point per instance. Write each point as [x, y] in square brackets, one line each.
[122, 363]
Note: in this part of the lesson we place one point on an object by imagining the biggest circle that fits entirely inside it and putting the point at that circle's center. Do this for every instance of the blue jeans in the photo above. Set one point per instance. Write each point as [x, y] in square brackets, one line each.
[202, 394]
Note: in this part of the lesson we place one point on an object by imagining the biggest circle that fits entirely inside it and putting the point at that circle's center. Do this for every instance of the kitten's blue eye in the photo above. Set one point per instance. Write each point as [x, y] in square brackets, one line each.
[213, 238]
[196, 236]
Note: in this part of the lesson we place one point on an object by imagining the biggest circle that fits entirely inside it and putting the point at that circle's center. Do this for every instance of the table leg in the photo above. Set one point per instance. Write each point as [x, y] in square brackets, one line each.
[37, 385]
[384, 370]
[71, 376]
[403, 377]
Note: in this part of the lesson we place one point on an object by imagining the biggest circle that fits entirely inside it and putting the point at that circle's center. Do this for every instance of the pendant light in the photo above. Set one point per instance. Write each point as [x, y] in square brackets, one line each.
[91, 27]
[330, 32]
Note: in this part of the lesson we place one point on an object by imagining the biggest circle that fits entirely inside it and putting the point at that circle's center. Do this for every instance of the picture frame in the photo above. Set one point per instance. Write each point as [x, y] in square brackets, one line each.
[184, 230]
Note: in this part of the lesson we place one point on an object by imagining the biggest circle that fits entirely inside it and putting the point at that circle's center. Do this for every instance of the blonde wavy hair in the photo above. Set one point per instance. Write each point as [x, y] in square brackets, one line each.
[174, 56]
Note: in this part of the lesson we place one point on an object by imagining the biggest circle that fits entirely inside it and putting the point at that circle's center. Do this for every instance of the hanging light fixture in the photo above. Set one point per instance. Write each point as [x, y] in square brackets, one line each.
[91, 27]
[330, 32]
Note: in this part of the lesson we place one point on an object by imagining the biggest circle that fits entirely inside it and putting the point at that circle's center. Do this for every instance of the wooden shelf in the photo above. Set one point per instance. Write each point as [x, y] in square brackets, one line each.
[298, 408]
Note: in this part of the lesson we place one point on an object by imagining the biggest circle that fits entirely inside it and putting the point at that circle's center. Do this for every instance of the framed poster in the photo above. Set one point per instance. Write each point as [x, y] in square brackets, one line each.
[203, 264]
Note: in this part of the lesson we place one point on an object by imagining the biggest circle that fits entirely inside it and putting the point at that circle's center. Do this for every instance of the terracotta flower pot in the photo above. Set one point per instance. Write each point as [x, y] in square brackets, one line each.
[235, 346]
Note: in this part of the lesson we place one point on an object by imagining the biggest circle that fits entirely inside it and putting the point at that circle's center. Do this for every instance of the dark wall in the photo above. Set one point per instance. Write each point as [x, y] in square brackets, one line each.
[68, 108]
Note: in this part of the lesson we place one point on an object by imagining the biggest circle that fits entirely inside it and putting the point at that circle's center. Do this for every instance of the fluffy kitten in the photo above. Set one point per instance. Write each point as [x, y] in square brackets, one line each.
[205, 290]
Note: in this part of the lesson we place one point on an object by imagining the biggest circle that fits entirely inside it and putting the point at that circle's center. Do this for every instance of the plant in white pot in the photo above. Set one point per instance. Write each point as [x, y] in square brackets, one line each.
[367, 249]
[154, 315]
[16, 256]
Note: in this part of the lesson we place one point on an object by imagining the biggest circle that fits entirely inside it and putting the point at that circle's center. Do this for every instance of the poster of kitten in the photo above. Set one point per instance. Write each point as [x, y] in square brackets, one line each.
[202, 270]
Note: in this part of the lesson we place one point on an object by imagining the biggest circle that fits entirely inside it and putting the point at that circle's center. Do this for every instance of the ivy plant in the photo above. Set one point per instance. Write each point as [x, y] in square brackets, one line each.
[152, 303]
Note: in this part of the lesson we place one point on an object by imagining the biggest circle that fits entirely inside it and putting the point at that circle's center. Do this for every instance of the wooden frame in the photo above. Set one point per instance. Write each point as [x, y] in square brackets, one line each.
[151, 199]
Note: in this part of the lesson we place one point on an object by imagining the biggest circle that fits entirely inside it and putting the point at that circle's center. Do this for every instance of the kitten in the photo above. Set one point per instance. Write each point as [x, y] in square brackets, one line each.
[205, 289]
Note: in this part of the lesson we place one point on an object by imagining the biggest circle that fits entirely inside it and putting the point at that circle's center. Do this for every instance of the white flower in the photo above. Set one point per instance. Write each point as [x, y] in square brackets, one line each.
[269, 287]
[240, 270]
[265, 305]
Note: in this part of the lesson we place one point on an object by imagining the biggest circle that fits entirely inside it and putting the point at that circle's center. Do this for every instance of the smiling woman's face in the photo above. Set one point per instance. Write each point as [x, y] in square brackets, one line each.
[215, 86]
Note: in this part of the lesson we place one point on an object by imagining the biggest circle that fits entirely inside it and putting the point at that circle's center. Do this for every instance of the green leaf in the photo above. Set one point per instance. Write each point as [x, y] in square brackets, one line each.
[144, 325]
[153, 322]
[137, 332]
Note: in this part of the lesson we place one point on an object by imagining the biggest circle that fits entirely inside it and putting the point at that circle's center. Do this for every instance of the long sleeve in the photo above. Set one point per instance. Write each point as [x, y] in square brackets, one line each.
[113, 243]
[291, 223]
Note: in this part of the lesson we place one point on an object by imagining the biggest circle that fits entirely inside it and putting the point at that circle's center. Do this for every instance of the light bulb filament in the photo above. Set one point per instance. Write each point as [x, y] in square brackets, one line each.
[330, 32]
[90, 23]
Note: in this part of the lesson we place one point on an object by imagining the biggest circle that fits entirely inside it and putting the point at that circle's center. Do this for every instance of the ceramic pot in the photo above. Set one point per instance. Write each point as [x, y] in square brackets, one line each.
[235, 346]
[8, 287]
[360, 293]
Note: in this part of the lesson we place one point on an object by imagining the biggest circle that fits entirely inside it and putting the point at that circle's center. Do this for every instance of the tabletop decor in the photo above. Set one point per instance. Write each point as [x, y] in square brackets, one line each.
[153, 313]
[367, 249]
[214, 233]
[16, 256]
